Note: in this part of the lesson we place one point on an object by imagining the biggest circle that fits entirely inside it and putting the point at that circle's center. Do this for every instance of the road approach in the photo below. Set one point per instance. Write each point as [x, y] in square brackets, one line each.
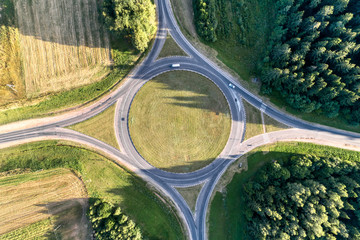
[166, 181]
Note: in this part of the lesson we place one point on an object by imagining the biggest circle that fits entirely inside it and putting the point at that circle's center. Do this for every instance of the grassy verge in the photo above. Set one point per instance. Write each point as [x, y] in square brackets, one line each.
[227, 219]
[271, 125]
[100, 127]
[183, 11]
[179, 121]
[244, 48]
[337, 122]
[102, 179]
[190, 195]
[171, 48]
[253, 121]
[254, 125]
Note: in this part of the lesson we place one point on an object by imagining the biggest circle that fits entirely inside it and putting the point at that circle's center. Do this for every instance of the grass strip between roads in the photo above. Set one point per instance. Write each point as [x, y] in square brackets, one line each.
[100, 127]
[180, 121]
[254, 124]
[226, 218]
[103, 179]
[190, 195]
[171, 48]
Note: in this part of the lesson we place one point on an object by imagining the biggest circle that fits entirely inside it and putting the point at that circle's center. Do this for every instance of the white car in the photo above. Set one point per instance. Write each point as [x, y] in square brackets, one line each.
[231, 85]
[176, 65]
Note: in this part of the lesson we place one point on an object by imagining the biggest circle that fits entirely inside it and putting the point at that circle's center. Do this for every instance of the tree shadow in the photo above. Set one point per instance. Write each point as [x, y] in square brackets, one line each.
[190, 166]
[202, 92]
[73, 23]
[69, 219]
[200, 102]
[154, 215]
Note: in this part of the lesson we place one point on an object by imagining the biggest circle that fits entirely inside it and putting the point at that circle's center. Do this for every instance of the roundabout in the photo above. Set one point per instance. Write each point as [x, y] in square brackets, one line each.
[164, 180]
[179, 121]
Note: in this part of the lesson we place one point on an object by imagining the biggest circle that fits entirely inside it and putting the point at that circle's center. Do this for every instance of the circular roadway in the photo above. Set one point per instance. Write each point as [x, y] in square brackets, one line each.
[51, 128]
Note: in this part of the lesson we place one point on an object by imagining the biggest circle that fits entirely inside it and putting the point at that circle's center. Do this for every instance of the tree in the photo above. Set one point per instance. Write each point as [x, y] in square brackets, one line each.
[132, 18]
[313, 203]
[205, 19]
[314, 55]
[110, 223]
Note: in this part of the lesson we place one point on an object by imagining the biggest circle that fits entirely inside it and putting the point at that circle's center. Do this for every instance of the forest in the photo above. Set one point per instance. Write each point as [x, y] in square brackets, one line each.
[134, 19]
[304, 197]
[109, 222]
[312, 57]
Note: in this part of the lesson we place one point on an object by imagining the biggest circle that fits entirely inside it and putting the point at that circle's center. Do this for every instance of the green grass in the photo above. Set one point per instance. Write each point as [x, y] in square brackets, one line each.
[171, 48]
[102, 179]
[253, 121]
[243, 55]
[254, 124]
[337, 122]
[40, 231]
[100, 127]
[179, 121]
[124, 57]
[271, 125]
[227, 219]
[190, 194]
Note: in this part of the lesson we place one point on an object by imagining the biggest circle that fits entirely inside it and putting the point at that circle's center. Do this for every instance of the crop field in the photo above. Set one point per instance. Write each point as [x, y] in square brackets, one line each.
[28, 198]
[103, 179]
[62, 44]
[10, 59]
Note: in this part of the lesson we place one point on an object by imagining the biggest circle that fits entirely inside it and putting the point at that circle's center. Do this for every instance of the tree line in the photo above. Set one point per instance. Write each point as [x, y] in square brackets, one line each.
[109, 222]
[313, 55]
[304, 197]
[220, 19]
[134, 19]
[313, 58]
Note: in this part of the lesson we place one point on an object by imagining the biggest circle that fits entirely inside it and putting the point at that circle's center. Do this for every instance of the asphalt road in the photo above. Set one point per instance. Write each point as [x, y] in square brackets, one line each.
[166, 181]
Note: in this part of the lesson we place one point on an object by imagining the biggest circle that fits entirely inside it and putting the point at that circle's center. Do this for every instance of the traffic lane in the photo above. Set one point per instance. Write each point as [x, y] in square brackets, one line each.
[162, 67]
[158, 69]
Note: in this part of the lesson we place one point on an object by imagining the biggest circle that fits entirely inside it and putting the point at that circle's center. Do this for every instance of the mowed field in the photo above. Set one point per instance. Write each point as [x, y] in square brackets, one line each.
[62, 44]
[31, 197]
[179, 121]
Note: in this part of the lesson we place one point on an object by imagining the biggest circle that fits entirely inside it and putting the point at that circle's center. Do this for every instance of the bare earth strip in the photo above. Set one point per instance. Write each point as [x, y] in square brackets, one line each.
[28, 198]
[62, 43]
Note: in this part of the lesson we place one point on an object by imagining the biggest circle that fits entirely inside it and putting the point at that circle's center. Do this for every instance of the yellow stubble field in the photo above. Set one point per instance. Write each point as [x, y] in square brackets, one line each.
[62, 44]
[31, 197]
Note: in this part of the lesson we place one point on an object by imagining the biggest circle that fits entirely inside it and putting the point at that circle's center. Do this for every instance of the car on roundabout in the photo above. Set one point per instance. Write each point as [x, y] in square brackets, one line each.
[231, 85]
